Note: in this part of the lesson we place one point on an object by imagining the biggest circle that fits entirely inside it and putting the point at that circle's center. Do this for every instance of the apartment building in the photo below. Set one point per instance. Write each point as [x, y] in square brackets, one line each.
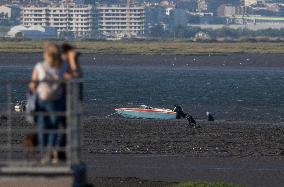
[226, 11]
[202, 6]
[248, 2]
[10, 11]
[66, 18]
[121, 21]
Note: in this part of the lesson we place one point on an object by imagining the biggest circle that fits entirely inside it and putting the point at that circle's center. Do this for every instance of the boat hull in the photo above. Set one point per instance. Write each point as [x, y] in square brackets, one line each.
[146, 114]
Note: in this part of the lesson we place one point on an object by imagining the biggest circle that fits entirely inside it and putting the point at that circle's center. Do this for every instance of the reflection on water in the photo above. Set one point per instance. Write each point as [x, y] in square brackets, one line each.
[230, 94]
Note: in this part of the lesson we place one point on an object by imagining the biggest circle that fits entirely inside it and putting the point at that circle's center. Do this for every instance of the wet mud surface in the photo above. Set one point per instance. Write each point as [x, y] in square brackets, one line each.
[217, 139]
[242, 153]
[233, 152]
[128, 182]
[121, 152]
[170, 137]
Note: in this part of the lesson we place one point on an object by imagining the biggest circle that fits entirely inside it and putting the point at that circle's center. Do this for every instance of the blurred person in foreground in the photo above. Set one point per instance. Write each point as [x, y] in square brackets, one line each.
[46, 77]
[71, 57]
[74, 72]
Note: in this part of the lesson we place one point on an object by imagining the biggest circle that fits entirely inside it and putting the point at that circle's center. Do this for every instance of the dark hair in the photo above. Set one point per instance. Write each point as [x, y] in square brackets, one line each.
[65, 48]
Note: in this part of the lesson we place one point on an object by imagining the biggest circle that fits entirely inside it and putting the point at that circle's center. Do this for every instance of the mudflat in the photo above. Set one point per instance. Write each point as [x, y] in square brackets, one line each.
[250, 154]
[216, 139]
[243, 153]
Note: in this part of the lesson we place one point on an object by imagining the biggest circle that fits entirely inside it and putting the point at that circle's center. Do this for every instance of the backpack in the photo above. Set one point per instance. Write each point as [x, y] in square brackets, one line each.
[31, 108]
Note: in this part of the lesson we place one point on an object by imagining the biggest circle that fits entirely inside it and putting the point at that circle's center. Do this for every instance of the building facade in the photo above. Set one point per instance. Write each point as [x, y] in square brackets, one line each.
[249, 2]
[34, 32]
[68, 19]
[121, 21]
[179, 18]
[226, 11]
[10, 11]
[202, 6]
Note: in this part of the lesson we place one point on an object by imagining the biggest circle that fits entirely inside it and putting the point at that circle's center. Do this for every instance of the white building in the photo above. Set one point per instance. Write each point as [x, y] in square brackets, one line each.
[202, 6]
[10, 12]
[34, 32]
[6, 11]
[226, 11]
[66, 18]
[252, 27]
[119, 21]
[250, 2]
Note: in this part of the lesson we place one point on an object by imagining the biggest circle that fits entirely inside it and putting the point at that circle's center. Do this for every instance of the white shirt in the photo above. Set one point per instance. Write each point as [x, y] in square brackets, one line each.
[54, 72]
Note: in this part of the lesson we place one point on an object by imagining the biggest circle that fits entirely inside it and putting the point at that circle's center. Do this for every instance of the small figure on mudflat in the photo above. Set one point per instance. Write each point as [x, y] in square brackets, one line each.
[181, 114]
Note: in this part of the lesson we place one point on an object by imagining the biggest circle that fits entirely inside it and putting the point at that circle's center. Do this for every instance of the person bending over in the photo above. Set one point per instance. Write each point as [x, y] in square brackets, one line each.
[181, 114]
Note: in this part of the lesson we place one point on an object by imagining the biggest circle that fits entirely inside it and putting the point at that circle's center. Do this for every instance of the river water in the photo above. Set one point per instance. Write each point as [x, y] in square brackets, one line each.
[230, 92]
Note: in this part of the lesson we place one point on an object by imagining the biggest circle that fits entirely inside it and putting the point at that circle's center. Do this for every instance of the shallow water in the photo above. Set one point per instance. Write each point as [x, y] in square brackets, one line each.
[237, 94]
[230, 93]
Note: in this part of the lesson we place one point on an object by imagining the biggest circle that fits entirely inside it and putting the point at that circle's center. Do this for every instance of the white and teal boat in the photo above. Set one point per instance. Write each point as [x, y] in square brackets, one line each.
[146, 112]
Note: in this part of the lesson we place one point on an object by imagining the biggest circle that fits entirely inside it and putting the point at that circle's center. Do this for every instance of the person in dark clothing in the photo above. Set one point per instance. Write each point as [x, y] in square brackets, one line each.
[210, 117]
[181, 114]
[71, 57]
[191, 121]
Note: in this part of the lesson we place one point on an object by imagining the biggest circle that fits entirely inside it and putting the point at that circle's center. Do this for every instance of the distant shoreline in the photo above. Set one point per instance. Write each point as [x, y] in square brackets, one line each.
[152, 47]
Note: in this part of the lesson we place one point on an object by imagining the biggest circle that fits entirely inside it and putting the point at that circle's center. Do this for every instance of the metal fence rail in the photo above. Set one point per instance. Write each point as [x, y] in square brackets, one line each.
[14, 130]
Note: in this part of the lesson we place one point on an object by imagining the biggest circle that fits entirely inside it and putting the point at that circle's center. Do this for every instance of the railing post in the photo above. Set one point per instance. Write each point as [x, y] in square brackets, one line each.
[75, 129]
[9, 122]
[69, 124]
[73, 119]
